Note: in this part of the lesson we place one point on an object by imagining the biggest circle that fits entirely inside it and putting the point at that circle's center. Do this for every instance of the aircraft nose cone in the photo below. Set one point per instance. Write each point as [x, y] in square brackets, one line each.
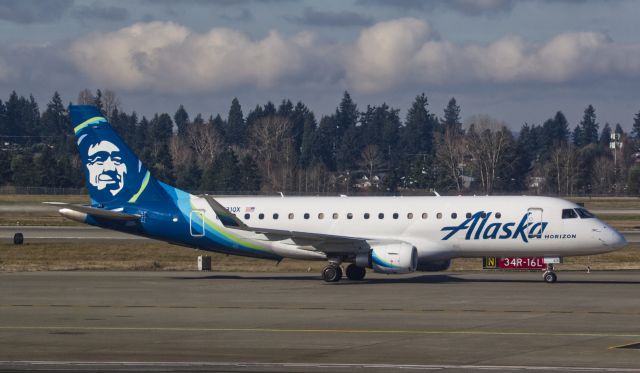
[616, 239]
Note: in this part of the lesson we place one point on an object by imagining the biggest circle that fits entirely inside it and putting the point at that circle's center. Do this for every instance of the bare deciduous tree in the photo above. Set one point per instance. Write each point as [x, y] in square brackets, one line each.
[85, 97]
[564, 161]
[205, 142]
[270, 139]
[603, 175]
[371, 159]
[487, 142]
[110, 102]
[450, 152]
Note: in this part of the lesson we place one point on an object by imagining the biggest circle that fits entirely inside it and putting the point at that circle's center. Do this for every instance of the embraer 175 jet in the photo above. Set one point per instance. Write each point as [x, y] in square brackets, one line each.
[392, 235]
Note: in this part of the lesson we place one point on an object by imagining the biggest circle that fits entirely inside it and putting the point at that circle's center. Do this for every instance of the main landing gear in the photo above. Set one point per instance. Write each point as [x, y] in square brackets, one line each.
[549, 275]
[333, 272]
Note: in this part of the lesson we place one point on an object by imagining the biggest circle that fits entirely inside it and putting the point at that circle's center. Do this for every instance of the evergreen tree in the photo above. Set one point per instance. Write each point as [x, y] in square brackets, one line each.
[190, 177]
[605, 137]
[235, 131]
[452, 119]
[299, 117]
[224, 173]
[419, 128]
[285, 109]
[346, 114]
[269, 110]
[44, 162]
[589, 126]
[554, 132]
[181, 118]
[97, 102]
[24, 170]
[577, 137]
[217, 124]
[5, 167]
[54, 119]
[308, 136]
[325, 142]
[249, 175]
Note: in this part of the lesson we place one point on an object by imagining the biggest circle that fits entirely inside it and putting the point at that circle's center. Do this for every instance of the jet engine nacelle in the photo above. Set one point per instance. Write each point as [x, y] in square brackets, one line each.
[394, 258]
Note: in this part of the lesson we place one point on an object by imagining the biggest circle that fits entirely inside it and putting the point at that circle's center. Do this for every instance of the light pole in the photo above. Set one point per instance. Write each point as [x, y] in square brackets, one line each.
[615, 143]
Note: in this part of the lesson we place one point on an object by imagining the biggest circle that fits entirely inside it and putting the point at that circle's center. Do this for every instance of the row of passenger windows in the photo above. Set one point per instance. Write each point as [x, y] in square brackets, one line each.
[366, 215]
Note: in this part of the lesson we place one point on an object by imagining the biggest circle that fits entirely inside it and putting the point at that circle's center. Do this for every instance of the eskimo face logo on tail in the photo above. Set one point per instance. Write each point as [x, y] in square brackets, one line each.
[477, 227]
[106, 167]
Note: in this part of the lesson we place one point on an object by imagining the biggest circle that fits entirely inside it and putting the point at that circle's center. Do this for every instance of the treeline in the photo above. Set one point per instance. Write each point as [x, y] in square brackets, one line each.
[286, 148]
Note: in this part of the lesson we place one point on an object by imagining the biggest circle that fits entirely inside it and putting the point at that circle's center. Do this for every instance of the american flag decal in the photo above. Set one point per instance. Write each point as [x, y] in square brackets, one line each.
[249, 209]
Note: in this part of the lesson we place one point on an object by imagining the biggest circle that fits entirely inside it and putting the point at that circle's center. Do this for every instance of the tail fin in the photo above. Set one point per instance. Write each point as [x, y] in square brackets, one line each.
[114, 175]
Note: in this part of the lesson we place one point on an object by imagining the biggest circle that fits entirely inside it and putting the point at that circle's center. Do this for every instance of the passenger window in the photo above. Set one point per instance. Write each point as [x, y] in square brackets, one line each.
[395, 215]
[247, 216]
[349, 216]
[439, 215]
[366, 215]
[468, 215]
[483, 215]
[321, 216]
[454, 215]
[275, 216]
[261, 216]
[306, 215]
[498, 215]
[585, 214]
[410, 215]
[335, 215]
[290, 216]
[380, 216]
[424, 215]
[569, 214]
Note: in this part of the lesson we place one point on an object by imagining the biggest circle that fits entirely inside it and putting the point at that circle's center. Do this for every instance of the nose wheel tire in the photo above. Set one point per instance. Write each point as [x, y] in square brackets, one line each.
[332, 273]
[549, 277]
[355, 273]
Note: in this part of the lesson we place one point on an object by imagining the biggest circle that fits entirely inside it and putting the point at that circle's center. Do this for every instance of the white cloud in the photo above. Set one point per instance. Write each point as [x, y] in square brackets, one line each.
[400, 53]
[167, 56]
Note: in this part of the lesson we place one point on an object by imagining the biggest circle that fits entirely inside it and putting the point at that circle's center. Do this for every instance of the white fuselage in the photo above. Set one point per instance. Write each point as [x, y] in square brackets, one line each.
[511, 226]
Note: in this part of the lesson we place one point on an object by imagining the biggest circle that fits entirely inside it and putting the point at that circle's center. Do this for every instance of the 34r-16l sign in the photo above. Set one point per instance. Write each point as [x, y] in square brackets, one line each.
[514, 263]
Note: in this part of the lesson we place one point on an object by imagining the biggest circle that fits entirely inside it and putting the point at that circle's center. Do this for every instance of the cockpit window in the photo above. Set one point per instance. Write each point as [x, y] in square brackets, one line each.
[584, 213]
[569, 214]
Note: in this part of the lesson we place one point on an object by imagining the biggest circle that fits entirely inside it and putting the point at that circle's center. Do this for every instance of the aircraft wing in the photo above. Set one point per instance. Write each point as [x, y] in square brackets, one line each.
[326, 243]
[94, 211]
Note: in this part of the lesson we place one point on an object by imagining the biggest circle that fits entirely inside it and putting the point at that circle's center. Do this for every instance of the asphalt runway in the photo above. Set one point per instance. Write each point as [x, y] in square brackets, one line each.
[190, 321]
[73, 233]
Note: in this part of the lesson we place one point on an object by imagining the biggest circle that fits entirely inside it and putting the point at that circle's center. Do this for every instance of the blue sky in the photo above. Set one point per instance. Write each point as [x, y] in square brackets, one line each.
[518, 61]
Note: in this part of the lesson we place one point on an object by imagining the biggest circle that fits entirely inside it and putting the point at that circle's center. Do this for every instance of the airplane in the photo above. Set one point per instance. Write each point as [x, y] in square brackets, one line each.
[391, 235]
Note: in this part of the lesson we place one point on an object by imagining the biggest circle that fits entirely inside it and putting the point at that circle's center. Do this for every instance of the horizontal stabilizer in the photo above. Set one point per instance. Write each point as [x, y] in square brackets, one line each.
[94, 211]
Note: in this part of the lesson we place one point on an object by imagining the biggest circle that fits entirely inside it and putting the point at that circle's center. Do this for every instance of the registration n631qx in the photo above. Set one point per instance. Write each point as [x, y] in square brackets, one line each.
[391, 235]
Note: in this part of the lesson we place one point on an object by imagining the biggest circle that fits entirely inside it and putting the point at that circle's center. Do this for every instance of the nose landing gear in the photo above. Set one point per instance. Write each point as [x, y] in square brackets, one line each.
[549, 275]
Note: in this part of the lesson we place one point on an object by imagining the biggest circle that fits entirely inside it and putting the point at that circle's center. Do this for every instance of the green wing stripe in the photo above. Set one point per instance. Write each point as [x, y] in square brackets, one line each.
[142, 187]
[87, 122]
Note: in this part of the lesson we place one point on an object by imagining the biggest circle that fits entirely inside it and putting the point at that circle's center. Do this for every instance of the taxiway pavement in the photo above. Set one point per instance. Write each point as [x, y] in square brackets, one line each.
[194, 321]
